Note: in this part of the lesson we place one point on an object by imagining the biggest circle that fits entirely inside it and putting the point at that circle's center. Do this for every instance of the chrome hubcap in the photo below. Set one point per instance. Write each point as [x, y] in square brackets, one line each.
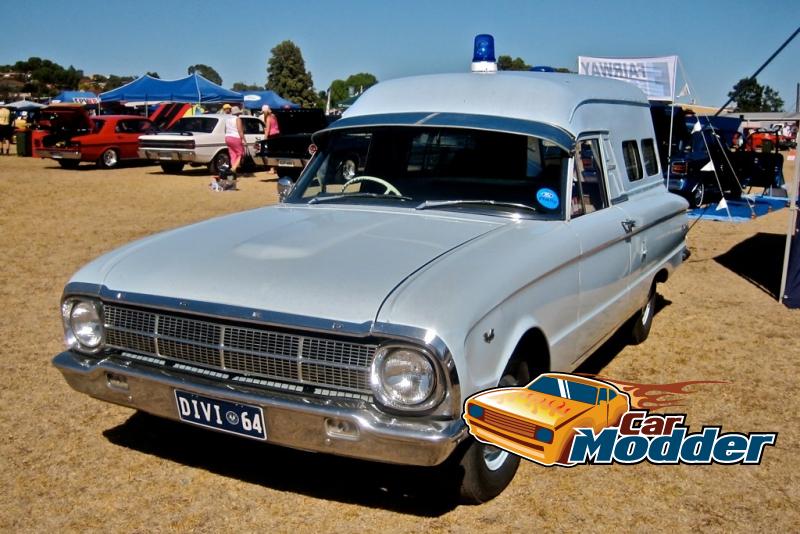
[648, 309]
[494, 457]
[698, 194]
[110, 158]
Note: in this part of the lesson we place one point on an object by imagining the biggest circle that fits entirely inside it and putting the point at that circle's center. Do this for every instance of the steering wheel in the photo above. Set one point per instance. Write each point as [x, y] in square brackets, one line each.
[365, 178]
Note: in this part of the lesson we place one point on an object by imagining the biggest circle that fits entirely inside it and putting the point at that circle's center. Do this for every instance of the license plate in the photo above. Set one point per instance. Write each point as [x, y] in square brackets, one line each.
[56, 156]
[165, 156]
[232, 417]
[285, 163]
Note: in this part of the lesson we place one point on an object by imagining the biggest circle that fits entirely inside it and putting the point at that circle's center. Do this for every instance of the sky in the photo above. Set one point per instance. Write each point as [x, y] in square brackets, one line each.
[718, 42]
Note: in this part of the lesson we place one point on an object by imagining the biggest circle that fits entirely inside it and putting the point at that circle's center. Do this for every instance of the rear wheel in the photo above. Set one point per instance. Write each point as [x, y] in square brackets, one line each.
[172, 167]
[222, 158]
[487, 469]
[108, 159]
[69, 163]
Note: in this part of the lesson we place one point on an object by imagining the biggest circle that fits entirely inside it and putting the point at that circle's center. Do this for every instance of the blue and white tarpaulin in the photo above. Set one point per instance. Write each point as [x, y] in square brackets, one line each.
[653, 75]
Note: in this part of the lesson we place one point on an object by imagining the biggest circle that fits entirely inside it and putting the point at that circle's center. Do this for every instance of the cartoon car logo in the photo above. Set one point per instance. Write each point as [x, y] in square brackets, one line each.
[538, 421]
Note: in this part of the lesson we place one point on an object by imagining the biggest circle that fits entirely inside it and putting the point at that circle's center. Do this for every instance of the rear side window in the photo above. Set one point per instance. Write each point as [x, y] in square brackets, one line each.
[649, 155]
[633, 164]
[253, 126]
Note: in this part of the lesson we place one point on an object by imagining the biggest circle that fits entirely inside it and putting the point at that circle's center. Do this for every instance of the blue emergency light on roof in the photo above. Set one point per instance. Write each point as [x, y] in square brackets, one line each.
[483, 56]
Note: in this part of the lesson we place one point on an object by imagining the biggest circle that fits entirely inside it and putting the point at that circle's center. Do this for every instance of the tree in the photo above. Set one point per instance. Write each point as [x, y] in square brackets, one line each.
[152, 74]
[115, 81]
[506, 63]
[771, 100]
[241, 86]
[353, 85]
[287, 76]
[750, 95]
[206, 72]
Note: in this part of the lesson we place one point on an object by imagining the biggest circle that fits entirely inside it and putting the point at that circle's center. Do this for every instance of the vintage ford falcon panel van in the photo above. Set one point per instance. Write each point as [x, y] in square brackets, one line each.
[453, 233]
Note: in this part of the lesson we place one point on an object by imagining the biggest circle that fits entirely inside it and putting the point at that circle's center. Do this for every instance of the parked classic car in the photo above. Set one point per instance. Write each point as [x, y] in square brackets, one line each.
[289, 152]
[538, 421]
[196, 141]
[704, 165]
[495, 226]
[74, 136]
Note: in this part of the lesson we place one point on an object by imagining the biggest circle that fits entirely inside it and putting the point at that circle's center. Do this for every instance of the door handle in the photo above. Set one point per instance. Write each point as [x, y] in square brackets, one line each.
[628, 225]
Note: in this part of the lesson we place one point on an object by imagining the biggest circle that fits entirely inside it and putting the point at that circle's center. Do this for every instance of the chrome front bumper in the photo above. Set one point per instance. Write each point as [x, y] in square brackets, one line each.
[299, 422]
[58, 154]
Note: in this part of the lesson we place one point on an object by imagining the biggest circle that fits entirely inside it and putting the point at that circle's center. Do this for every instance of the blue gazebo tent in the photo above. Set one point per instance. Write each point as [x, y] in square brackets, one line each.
[256, 99]
[75, 97]
[192, 89]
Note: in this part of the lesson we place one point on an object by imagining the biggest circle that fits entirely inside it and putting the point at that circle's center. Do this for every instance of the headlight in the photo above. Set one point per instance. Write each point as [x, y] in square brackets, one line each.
[83, 324]
[405, 378]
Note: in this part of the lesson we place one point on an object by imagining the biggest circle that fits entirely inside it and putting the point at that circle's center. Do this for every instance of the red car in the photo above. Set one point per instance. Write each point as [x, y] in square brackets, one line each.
[69, 136]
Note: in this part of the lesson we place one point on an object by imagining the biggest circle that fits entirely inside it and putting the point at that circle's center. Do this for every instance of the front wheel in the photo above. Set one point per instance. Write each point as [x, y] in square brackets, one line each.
[108, 159]
[488, 470]
[643, 320]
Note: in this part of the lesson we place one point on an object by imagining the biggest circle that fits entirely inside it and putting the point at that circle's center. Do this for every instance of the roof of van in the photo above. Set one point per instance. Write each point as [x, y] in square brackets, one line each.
[542, 97]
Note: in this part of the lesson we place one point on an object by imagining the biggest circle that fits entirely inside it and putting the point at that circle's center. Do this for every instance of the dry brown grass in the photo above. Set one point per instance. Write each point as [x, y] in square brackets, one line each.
[72, 463]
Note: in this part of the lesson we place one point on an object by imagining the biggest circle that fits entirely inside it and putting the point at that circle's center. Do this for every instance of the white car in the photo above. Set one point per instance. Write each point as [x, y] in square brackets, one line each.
[198, 140]
[452, 233]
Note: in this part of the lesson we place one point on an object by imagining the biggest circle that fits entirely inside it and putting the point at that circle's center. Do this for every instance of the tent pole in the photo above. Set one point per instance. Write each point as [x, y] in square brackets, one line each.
[792, 225]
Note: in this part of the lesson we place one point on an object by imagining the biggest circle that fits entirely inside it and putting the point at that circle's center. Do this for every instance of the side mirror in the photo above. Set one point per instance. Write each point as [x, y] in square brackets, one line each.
[285, 187]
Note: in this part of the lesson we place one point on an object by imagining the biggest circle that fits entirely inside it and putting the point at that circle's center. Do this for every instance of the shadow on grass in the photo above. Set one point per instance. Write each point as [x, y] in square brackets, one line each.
[404, 489]
[87, 166]
[759, 260]
[420, 491]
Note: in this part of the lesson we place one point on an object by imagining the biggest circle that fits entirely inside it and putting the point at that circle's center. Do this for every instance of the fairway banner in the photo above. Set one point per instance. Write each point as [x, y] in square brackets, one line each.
[653, 75]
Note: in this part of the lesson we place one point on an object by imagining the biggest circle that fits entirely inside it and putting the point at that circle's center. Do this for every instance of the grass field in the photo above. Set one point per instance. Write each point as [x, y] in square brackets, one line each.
[71, 463]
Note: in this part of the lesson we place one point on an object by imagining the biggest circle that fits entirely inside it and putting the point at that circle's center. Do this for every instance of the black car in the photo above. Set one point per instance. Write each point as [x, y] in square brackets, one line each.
[703, 164]
[289, 151]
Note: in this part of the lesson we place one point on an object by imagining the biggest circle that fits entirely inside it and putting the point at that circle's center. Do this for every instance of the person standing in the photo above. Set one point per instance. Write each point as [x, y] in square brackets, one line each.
[234, 136]
[6, 130]
[271, 128]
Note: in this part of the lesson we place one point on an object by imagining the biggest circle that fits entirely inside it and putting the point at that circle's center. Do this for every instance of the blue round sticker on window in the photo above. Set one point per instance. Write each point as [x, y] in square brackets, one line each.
[547, 198]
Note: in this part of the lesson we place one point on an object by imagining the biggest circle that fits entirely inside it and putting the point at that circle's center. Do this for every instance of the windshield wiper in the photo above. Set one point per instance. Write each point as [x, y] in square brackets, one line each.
[317, 200]
[432, 204]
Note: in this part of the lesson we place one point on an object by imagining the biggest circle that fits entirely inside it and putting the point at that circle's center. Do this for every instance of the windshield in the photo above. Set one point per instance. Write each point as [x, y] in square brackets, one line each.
[566, 389]
[437, 168]
[194, 124]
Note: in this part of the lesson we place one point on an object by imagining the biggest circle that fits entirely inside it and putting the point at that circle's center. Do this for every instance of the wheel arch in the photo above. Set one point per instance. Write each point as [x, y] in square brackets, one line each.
[533, 349]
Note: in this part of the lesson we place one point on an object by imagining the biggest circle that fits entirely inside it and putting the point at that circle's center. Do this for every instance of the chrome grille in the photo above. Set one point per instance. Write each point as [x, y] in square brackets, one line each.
[251, 351]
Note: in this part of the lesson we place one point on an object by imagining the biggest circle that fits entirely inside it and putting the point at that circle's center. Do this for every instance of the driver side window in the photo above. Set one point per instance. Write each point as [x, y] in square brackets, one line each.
[340, 166]
[588, 182]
